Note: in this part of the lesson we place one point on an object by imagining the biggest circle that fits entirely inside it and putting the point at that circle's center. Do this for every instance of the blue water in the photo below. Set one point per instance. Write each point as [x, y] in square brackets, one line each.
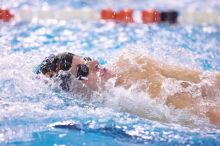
[34, 114]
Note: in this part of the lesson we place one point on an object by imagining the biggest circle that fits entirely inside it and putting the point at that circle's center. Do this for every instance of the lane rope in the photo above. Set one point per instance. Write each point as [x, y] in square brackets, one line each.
[123, 16]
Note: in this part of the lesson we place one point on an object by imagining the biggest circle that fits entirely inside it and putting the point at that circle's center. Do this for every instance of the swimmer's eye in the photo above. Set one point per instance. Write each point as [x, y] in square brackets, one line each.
[82, 71]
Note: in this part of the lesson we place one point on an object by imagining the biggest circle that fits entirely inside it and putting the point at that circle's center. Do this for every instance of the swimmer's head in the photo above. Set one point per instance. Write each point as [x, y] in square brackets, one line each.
[84, 69]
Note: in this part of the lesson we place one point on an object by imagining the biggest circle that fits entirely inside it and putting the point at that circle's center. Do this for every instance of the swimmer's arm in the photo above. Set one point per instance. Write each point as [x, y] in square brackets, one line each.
[170, 71]
[179, 73]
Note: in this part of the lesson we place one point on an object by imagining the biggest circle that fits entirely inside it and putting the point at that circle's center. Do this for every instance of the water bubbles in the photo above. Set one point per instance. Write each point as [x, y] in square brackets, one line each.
[209, 29]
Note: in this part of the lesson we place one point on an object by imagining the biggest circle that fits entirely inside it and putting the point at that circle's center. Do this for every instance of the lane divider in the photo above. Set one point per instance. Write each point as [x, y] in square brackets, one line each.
[5, 15]
[120, 16]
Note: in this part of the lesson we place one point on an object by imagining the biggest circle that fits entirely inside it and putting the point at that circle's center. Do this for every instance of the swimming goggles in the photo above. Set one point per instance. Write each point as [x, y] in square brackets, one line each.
[83, 69]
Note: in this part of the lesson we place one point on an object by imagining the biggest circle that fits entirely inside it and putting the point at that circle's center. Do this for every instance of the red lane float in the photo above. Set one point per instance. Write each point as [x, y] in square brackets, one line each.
[150, 16]
[125, 16]
[107, 14]
[5, 15]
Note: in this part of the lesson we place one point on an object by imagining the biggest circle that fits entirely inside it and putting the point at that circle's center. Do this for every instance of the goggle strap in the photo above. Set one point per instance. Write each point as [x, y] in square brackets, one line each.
[82, 78]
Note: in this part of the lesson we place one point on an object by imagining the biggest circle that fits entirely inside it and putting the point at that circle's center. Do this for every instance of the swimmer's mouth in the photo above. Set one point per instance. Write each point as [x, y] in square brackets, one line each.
[103, 71]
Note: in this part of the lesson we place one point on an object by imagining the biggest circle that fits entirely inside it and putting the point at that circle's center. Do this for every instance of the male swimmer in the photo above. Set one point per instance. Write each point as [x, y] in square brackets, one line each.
[192, 89]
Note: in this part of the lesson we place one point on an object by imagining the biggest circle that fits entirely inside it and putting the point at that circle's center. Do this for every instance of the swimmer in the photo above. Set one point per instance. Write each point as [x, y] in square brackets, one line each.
[190, 86]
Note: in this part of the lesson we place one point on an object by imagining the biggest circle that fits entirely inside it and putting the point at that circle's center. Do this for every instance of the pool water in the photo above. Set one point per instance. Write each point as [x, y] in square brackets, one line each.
[33, 113]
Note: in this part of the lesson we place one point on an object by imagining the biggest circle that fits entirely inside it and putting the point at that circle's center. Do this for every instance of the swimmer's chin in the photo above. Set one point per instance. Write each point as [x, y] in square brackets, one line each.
[106, 75]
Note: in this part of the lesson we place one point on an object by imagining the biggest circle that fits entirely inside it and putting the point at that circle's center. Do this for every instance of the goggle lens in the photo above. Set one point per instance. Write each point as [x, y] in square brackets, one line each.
[83, 69]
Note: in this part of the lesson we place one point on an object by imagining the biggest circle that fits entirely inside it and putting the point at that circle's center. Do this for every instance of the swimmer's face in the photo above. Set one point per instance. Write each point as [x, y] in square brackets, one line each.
[96, 75]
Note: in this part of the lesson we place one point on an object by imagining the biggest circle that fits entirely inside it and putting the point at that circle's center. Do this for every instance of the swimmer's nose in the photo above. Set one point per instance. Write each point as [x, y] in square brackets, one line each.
[94, 65]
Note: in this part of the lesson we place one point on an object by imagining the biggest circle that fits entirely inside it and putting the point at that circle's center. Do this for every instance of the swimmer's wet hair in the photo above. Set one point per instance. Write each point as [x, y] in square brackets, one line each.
[65, 61]
[51, 62]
